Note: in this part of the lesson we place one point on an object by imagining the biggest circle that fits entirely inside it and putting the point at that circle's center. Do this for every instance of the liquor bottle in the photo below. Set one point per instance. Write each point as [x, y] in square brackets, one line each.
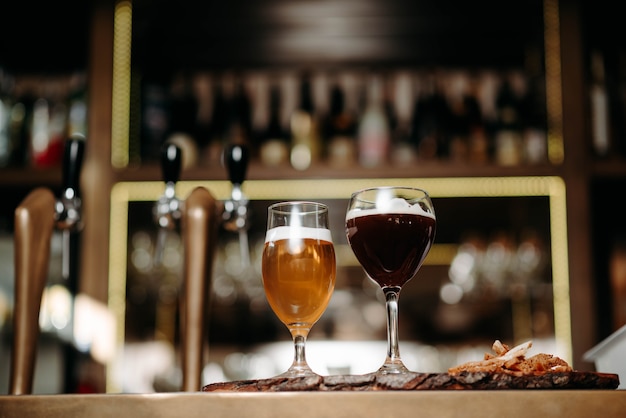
[48, 128]
[487, 87]
[154, 119]
[340, 129]
[20, 122]
[459, 127]
[616, 86]
[218, 132]
[240, 117]
[183, 118]
[77, 105]
[430, 120]
[599, 106]
[478, 142]
[402, 152]
[274, 147]
[373, 132]
[534, 120]
[305, 135]
[508, 135]
[6, 102]
[203, 85]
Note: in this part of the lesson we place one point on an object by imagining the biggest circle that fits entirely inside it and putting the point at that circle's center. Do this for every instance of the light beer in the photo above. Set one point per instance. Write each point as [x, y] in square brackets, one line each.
[299, 271]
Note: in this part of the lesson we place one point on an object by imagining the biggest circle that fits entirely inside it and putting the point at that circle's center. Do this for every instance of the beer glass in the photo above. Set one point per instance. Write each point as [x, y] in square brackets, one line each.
[390, 231]
[298, 269]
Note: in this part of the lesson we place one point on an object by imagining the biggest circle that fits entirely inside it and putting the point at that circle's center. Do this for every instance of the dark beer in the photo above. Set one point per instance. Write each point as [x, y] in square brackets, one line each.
[391, 246]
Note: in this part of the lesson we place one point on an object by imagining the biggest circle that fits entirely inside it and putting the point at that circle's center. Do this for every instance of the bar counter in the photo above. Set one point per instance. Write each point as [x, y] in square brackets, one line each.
[439, 404]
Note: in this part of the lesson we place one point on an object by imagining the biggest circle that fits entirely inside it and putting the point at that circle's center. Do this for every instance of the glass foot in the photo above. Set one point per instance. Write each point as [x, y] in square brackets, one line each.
[392, 367]
[298, 371]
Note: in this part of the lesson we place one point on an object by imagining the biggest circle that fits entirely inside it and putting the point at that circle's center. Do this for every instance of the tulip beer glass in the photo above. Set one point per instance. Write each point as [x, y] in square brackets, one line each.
[390, 231]
[298, 269]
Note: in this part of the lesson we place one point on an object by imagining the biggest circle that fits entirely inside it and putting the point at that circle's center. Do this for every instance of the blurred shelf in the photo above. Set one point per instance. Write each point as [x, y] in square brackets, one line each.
[609, 168]
[30, 177]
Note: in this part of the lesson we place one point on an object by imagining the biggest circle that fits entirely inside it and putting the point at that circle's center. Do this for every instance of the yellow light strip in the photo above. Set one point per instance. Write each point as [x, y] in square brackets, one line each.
[121, 84]
[554, 97]
[118, 236]
[560, 270]
[552, 187]
[343, 188]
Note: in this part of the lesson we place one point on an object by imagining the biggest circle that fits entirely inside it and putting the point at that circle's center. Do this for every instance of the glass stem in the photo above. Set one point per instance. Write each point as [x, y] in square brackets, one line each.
[299, 365]
[393, 363]
[299, 358]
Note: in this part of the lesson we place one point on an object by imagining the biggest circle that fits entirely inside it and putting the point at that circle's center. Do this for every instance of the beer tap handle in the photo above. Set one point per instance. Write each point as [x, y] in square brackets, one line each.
[68, 207]
[236, 209]
[167, 208]
[72, 164]
[237, 157]
[171, 160]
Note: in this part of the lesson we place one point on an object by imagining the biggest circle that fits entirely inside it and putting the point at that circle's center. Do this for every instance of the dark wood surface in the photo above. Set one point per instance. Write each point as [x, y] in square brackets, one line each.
[422, 381]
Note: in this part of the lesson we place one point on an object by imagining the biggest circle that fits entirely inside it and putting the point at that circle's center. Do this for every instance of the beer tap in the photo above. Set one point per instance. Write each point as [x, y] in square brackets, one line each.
[68, 220]
[68, 206]
[167, 210]
[235, 214]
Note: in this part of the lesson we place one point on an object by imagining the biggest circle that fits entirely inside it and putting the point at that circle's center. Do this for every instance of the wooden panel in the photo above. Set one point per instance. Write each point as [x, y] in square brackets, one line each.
[280, 32]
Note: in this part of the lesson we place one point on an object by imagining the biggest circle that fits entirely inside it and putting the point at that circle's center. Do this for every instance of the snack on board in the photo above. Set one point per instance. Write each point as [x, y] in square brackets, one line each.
[514, 361]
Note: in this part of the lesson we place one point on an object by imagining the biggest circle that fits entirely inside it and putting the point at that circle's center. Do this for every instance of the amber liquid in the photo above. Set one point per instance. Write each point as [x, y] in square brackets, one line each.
[391, 247]
[299, 278]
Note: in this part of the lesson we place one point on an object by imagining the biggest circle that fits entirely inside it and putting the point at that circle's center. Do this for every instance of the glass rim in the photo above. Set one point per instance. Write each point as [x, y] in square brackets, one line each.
[319, 207]
[369, 189]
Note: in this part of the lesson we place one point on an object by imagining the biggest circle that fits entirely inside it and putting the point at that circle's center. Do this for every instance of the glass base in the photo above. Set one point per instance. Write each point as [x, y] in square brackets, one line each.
[298, 371]
[392, 367]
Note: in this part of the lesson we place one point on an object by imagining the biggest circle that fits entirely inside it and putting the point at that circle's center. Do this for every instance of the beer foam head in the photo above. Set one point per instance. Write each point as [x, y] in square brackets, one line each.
[299, 232]
[395, 205]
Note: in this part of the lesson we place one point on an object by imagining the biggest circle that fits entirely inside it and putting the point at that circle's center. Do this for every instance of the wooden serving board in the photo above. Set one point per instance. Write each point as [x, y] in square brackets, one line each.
[423, 381]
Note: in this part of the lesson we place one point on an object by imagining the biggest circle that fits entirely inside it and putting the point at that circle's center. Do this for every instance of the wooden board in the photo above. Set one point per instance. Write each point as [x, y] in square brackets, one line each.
[423, 381]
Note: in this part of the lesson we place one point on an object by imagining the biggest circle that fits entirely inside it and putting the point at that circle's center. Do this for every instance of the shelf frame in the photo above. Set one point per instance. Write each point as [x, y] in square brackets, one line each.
[552, 187]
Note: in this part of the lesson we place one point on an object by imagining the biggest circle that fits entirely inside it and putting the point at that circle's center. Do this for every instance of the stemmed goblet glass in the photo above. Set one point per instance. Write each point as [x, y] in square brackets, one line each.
[298, 269]
[390, 231]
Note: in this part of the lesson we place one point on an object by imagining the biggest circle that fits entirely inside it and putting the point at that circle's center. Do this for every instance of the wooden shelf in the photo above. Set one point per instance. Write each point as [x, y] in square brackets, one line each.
[30, 177]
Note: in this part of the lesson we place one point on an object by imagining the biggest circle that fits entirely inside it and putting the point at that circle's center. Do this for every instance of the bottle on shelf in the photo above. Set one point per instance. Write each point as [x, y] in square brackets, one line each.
[534, 117]
[374, 135]
[305, 135]
[222, 94]
[48, 126]
[430, 121]
[20, 120]
[340, 129]
[478, 141]
[274, 144]
[459, 125]
[402, 150]
[183, 119]
[508, 135]
[599, 106]
[203, 86]
[6, 103]
[240, 117]
[154, 119]
[77, 105]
